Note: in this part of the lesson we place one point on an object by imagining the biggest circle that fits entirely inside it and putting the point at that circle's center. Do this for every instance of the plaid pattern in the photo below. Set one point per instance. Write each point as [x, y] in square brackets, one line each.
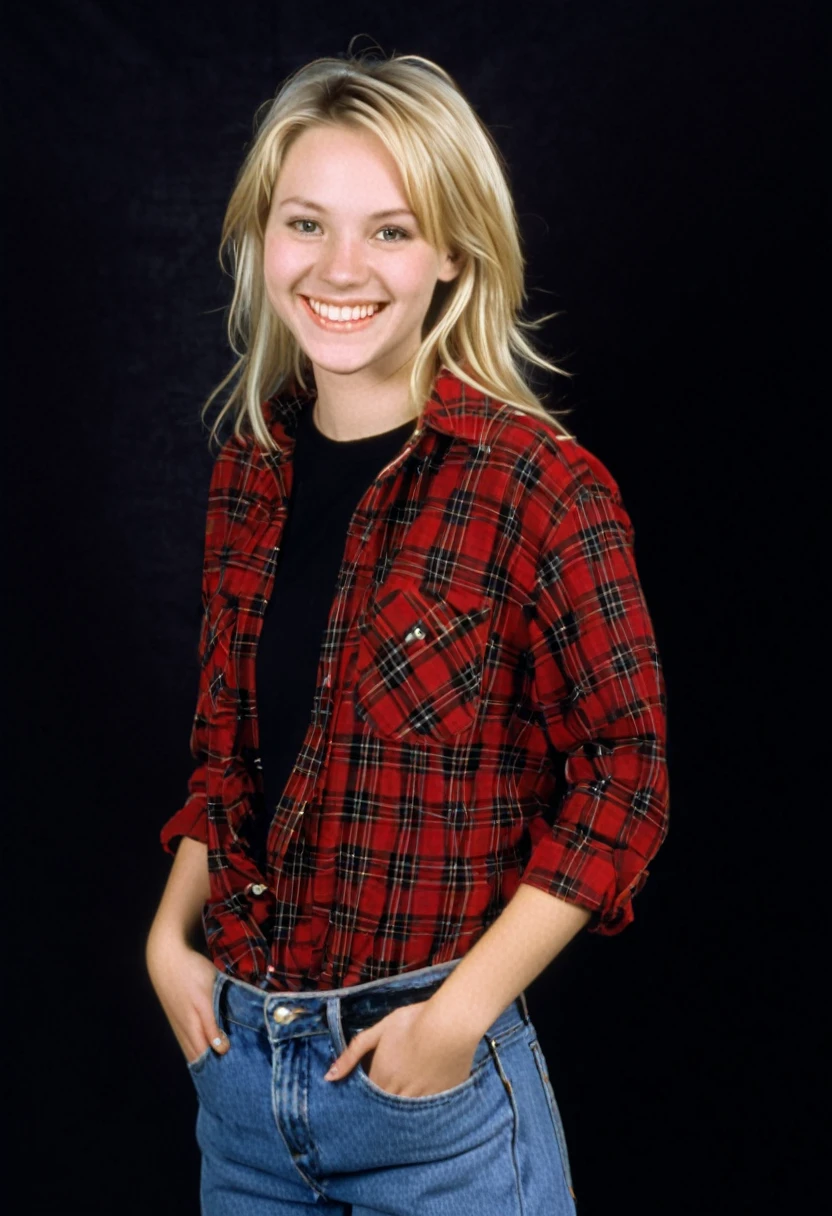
[489, 709]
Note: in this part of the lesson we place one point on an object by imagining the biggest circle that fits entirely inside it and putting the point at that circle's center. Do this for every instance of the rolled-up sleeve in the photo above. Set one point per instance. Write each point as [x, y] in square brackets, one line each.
[191, 818]
[598, 687]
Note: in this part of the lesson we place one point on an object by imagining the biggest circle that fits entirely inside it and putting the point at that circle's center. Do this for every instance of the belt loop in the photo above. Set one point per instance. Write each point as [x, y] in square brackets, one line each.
[522, 999]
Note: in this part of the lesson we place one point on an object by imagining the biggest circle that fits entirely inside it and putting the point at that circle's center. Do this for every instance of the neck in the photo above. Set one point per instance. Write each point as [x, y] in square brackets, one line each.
[363, 403]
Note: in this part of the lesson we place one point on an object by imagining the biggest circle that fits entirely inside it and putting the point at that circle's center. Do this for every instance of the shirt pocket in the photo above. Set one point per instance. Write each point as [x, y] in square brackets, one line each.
[420, 662]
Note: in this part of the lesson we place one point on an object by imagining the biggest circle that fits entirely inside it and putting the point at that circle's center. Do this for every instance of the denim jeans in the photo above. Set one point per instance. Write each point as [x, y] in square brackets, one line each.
[276, 1138]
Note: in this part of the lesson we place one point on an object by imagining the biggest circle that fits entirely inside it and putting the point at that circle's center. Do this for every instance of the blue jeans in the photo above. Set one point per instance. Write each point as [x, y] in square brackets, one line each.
[276, 1138]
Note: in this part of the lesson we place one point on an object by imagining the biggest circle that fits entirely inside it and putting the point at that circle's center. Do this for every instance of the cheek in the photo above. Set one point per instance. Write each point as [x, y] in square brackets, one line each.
[414, 279]
[282, 263]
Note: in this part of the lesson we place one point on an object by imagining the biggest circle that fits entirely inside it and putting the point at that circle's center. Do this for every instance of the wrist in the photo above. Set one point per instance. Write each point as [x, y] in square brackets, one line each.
[450, 1020]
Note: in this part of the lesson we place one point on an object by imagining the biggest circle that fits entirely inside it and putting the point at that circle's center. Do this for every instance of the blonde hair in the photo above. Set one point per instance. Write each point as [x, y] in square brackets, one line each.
[455, 182]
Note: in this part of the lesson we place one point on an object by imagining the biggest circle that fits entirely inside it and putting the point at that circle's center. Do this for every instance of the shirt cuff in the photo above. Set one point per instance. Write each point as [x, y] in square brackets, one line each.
[189, 820]
[603, 880]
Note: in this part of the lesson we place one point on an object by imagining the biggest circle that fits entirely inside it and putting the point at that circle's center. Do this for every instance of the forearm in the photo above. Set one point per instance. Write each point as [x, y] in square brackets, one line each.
[530, 931]
[180, 909]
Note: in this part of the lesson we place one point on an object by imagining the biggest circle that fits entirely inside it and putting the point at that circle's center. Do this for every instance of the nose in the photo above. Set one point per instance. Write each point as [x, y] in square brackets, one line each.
[342, 262]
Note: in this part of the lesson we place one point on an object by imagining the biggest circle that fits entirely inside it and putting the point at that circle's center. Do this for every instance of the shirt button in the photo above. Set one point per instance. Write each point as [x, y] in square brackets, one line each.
[257, 888]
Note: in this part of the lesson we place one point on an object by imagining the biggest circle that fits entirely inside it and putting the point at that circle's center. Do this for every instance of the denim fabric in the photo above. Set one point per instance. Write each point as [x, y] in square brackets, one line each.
[277, 1138]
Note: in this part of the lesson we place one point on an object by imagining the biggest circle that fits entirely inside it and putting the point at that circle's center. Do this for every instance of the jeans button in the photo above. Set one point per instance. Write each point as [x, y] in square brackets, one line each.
[283, 1014]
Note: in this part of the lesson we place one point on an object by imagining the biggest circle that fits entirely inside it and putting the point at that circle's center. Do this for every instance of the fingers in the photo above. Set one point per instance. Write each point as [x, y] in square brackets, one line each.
[204, 1034]
[214, 1034]
[204, 1031]
[361, 1042]
[184, 981]
[192, 1054]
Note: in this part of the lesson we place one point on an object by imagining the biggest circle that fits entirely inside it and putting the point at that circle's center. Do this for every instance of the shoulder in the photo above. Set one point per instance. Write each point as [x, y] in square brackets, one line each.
[556, 490]
[542, 458]
[529, 446]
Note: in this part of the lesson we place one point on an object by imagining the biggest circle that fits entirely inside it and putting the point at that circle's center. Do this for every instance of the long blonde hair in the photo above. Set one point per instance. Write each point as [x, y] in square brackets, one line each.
[455, 182]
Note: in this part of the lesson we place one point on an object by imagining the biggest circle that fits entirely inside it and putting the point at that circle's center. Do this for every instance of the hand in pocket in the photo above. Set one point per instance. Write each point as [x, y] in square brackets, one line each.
[184, 980]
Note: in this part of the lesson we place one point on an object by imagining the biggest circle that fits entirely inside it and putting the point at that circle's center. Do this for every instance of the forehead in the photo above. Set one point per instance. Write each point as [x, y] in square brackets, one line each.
[336, 165]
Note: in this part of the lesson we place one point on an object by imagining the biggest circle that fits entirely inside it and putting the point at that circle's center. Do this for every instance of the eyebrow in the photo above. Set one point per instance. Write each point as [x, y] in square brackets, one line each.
[310, 205]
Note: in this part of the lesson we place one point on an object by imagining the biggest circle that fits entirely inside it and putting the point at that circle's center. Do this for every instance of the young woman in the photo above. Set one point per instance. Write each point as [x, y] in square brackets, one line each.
[419, 591]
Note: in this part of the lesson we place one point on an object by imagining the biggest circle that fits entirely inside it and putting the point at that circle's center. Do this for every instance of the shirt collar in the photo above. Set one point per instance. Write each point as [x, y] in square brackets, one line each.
[454, 408]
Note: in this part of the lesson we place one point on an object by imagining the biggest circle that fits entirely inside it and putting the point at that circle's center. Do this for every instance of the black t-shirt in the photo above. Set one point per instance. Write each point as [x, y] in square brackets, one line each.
[329, 478]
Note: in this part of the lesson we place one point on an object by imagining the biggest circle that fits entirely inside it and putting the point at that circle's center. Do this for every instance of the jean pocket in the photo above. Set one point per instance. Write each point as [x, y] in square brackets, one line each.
[197, 1065]
[348, 1028]
[201, 1060]
[420, 662]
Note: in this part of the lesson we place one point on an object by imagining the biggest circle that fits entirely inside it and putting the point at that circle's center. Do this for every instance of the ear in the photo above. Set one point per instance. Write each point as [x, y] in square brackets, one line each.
[450, 267]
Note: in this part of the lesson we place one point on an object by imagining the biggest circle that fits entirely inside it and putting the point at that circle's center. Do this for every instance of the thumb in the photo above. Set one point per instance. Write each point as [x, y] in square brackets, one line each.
[217, 1038]
[215, 1035]
[359, 1045]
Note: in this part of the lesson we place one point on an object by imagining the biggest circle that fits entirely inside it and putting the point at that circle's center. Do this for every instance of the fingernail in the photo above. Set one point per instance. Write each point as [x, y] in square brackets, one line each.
[333, 1072]
[217, 1041]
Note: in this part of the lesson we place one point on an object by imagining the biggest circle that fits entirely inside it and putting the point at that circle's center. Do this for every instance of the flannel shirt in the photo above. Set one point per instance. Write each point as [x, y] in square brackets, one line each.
[489, 705]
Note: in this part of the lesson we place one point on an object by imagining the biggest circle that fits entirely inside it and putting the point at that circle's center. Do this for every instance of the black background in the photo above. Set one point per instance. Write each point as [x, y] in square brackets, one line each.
[664, 163]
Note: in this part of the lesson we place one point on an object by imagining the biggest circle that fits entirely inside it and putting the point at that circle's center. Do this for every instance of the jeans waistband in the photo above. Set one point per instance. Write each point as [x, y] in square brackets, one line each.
[291, 1014]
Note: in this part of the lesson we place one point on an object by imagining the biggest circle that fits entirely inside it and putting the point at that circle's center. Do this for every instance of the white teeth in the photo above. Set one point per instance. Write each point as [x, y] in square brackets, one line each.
[333, 312]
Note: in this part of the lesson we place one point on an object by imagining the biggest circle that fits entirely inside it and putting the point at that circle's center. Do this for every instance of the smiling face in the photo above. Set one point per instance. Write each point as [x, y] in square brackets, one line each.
[346, 266]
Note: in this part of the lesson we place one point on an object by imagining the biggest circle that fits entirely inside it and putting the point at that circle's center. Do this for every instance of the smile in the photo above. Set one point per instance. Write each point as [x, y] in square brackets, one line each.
[359, 316]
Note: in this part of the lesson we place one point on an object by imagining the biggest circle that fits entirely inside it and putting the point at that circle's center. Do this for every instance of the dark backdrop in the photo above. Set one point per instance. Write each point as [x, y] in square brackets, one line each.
[662, 158]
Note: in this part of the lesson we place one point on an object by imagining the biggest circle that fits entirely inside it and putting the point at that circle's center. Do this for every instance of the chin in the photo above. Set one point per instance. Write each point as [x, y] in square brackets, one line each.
[340, 364]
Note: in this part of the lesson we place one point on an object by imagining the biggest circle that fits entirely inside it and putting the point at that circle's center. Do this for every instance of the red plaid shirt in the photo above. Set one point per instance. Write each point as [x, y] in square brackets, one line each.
[489, 706]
